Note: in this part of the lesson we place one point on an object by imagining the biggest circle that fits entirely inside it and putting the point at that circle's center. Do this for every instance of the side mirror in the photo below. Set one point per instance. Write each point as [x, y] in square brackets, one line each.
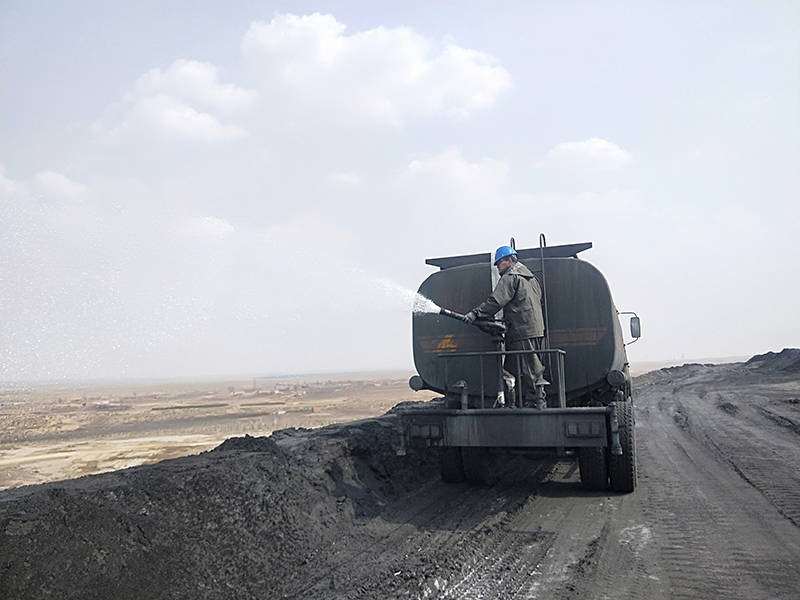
[636, 327]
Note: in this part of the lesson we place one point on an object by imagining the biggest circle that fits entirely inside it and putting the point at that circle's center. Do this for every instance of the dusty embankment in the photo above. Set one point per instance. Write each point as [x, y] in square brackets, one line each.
[253, 515]
[335, 513]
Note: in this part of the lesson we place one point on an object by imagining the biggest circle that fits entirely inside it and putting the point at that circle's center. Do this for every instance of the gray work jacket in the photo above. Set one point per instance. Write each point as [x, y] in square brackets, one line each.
[519, 295]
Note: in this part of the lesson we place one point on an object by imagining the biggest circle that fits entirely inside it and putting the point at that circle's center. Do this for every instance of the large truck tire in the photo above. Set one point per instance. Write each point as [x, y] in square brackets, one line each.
[593, 468]
[477, 466]
[622, 469]
[450, 465]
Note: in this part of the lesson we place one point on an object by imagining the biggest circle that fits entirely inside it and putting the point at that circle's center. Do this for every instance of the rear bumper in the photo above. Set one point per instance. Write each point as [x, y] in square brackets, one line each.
[508, 428]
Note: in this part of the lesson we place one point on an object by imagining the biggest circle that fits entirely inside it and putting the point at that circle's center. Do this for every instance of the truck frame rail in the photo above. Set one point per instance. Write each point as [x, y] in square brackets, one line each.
[505, 428]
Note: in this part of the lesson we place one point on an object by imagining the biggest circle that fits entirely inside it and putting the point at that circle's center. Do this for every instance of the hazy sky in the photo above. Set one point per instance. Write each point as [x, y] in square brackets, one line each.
[205, 188]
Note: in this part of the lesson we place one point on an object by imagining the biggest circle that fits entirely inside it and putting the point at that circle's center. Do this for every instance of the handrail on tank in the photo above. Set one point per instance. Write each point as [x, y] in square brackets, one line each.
[542, 246]
[560, 354]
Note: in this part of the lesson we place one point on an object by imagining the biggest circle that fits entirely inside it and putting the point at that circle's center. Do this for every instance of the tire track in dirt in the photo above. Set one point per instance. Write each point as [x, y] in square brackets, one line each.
[502, 564]
[430, 508]
[686, 551]
[566, 543]
[626, 559]
[783, 493]
[602, 548]
[492, 556]
[756, 450]
[780, 420]
[440, 533]
[719, 534]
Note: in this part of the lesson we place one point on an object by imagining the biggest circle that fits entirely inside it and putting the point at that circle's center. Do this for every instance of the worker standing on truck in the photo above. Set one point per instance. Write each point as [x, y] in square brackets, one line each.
[519, 295]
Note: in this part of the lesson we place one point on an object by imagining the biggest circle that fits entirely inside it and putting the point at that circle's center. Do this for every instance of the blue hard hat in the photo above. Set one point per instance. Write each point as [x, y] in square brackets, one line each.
[502, 252]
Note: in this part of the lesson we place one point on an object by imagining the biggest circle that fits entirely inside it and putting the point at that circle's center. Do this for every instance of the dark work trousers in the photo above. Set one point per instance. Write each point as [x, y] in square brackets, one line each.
[529, 364]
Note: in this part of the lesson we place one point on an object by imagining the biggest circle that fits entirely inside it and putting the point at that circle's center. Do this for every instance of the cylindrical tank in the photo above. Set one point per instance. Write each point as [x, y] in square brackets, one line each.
[582, 320]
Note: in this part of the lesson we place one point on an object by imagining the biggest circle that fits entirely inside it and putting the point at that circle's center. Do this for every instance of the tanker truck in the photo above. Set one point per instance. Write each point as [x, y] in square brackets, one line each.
[480, 412]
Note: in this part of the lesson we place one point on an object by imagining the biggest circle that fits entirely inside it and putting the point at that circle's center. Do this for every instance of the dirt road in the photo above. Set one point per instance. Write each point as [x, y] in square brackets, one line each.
[335, 513]
[716, 513]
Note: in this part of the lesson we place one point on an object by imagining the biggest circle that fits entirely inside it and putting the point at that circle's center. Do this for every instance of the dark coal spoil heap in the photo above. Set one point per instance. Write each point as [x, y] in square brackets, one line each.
[252, 518]
[787, 360]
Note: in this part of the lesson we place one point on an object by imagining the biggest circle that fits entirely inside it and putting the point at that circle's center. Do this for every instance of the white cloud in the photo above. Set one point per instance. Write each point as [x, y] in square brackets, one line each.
[449, 167]
[55, 185]
[209, 228]
[49, 185]
[345, 178]
[9, 187]
[383, 73]
[594, 153]
[196, 83]
[183, 102]
[167, 116]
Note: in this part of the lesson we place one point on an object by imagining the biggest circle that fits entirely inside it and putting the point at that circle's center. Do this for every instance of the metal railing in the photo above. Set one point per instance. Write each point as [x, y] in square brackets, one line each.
[518, 386]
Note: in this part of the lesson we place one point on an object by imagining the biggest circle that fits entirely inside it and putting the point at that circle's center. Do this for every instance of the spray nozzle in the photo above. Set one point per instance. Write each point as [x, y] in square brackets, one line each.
[453, 315]
[490, 326]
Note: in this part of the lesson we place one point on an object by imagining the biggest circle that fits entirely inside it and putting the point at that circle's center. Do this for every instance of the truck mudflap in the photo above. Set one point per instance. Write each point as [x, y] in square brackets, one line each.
[512, 428]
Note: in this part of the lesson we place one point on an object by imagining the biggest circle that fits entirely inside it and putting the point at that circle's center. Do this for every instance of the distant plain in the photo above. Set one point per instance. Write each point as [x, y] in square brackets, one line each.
[51, 432]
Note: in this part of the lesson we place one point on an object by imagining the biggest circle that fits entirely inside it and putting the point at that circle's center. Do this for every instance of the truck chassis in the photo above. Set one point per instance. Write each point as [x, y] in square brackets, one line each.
[603, 437]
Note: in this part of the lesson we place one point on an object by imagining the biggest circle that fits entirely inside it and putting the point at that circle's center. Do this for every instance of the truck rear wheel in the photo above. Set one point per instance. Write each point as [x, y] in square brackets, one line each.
[623, 468]
[477, 466]
[594, 472]
[450, 465]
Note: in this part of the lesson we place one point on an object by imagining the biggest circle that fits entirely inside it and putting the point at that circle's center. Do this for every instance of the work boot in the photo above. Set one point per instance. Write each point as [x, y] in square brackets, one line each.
[538, 401]
[541, 397]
